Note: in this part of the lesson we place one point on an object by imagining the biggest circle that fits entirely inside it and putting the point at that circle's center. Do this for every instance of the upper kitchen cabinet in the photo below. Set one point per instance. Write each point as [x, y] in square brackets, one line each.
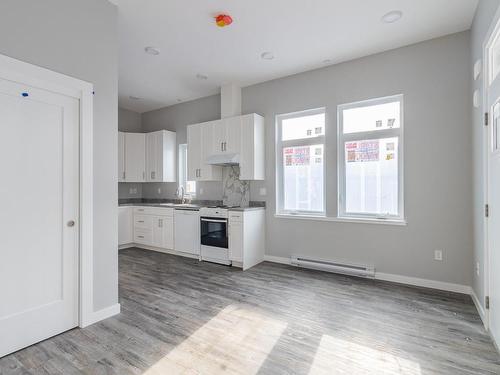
[226, 136]
[200, 141]
[161, 156]
[252, 151]
[121, 157]
[135, 157]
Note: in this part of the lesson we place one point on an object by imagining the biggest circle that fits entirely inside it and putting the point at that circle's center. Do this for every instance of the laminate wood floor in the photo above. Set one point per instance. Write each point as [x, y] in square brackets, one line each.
[180, 316]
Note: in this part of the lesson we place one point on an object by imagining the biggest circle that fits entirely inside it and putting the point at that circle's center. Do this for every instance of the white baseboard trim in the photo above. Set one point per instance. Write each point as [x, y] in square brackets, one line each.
[105, 313]
[159, 250]
[425, 283]
[479, 307]
[414, 281]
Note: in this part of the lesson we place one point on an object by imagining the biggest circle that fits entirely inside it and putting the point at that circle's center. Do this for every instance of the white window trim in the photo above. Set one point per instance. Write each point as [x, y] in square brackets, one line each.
[179, 179]
[294, 143]
[375, 134]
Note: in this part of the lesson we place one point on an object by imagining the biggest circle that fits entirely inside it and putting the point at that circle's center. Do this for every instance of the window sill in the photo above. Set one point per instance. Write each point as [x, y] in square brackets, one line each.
[342, 219]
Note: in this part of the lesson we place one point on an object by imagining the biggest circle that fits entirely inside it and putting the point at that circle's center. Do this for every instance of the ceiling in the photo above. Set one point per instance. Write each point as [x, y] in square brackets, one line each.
[301, 34]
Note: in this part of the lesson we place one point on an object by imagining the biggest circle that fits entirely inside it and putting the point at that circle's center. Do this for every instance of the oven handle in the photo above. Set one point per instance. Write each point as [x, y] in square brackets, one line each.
[214, 220]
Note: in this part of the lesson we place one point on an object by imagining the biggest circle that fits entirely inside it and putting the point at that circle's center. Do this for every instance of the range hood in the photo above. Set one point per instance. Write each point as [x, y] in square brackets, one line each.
[223, 159]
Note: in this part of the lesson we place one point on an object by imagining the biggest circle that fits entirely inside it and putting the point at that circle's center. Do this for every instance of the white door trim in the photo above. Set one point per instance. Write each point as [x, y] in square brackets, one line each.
[488, 41]
[42, 78]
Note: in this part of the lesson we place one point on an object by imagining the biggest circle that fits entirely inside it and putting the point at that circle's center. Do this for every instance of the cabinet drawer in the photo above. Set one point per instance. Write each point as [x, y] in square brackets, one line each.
[159, 211]
[143, 221]
[143, 236]
[236, 216]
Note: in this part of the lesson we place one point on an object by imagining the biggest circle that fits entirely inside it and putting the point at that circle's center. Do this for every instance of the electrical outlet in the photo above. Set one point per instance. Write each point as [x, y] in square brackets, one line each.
[159, 190]
[438, 255]
[477, 268]
[262, 191]
[132, 191]
[201, 191]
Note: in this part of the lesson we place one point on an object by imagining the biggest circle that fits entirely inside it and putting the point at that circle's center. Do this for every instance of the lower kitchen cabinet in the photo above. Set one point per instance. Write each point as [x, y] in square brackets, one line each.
[247, 237]
[125, 225]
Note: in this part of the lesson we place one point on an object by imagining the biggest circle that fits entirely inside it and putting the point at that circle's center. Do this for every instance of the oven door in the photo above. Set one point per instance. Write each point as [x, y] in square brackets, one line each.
[214, 232]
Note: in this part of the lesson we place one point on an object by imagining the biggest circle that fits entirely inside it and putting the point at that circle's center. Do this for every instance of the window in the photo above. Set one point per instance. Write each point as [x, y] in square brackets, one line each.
[370, 146]
[189, 186]
[301, 167]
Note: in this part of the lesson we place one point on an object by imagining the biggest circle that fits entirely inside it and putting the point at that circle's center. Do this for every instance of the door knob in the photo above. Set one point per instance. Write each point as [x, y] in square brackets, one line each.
[71, 223]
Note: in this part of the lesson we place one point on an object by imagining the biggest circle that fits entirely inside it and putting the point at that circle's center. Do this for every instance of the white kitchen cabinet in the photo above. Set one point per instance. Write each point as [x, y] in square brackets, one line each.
[125, 226]
[187, 232]
[161, 156]
[199, 137]
[226, 136]
[252, 151]
[154, 226]
[135, 157]
[121, 157]
[246, 237]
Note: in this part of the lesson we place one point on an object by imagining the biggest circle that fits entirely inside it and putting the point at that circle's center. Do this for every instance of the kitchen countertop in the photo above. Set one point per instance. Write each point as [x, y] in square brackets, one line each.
[191, 207]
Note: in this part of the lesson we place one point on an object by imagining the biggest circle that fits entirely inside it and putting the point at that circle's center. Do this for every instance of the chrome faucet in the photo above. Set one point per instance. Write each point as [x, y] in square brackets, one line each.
[181, 194]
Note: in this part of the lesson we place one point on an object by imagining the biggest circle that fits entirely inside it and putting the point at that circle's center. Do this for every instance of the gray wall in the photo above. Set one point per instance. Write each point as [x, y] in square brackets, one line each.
[176, 118]
[484, 17]
[434, 77]
[79, 38]
[129, 121]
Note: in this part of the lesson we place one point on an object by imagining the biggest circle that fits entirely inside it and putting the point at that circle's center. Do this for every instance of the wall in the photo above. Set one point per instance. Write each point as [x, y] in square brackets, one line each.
[129, 121]
[434, 78]
[482, 21]
[176, 118]
[79, 38]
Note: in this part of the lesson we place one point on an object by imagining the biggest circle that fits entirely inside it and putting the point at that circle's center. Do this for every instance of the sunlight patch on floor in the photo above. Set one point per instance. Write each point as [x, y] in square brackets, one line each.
[235, 341]
[336, 356]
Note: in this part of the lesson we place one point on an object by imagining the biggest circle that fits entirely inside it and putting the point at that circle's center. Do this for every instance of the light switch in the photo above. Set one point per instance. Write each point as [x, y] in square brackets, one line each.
[263, 191]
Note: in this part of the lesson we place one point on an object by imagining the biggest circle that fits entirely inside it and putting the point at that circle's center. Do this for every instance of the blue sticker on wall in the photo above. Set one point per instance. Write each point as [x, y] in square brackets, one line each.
[25, 94]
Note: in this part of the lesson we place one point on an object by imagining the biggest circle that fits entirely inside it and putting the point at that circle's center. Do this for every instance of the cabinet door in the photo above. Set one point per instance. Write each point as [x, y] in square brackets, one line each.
[232, 142]
[125, 226]
[121, 157]
[157, 226]
[208, 172]
[135, 157]
[193, 152]
[168, 232]
[236, 241]
[153, 150]
[218, 136]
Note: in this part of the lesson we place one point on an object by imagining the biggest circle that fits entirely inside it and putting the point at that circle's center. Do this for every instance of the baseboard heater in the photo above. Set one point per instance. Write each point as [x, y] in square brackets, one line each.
[334, 267]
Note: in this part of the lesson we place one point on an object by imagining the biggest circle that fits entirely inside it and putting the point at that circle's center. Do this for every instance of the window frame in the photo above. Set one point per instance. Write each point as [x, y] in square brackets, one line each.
[280, 145]
[369, 135]
[182, 147]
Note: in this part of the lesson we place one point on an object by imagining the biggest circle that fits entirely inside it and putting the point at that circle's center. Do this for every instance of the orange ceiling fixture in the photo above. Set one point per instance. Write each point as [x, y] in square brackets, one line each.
[223, 20]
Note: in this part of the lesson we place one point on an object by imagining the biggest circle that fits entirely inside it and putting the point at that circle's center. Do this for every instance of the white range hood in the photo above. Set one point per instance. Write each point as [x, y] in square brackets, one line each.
[224, 159]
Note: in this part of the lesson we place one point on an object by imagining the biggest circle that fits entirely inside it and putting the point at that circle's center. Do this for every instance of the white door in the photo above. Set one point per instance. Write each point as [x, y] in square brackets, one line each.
[135, 157]
[492, 80]
[193, 152]
[121, 157]
[38, 220]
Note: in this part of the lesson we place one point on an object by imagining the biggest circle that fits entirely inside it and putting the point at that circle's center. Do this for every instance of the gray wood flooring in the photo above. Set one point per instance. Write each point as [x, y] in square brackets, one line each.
[180, 316]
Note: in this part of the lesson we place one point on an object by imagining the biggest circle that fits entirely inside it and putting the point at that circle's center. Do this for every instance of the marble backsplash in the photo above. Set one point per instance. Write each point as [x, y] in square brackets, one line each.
[234, 191]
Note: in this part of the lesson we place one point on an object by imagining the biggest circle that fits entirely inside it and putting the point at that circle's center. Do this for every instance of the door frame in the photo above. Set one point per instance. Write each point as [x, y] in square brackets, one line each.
[493, 32]
[35, 76]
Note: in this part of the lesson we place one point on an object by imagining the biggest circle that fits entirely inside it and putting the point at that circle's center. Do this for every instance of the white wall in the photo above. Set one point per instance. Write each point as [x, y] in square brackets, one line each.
[79, 38]
[434, 77]
[484, 16]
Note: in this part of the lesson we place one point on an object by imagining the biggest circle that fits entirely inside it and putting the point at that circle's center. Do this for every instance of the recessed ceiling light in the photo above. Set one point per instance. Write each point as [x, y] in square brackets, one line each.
[267, 56]
[152, 51]
[179, 100]
[131, 97]
[327, 61]
[392, 16]
[201, 77]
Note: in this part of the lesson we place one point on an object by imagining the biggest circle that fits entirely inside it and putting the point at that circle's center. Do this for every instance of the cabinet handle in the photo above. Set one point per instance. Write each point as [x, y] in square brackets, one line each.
[222, 146]
[225, 146]
[152, 175]
[160, 223]
[200, 173]
[140, 236]
[143, 175]
[140, 221]
[124, 175]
